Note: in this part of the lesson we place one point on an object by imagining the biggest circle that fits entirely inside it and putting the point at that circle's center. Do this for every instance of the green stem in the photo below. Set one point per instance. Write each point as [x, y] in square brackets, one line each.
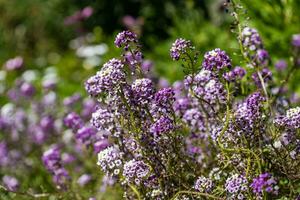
[135, 191]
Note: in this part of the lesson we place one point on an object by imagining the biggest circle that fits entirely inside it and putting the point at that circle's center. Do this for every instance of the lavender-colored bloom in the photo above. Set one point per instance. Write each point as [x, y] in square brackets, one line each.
[88, 107]
[290, 120]
[163, 83]
[179, 48]
[87, 12]
[73, 121]
[235, 74]
[100, 145]
[67, 158]
[281, 65]
[107, 180]
[251, 40]
[216, 60]
[4, 158]
[53, 163]
[236, 185]
[266, 76]
[181, 105]
[61, 177]
[10, 182]
[51, 158]
[110, 160]
[143, 91]
[14, 63]
[47, 123]
[85, 135]
[27, 89]
[102, 119]
[92, 85]
[249, 111]
[296, 40]
[133, 58]
[262, 57]
[147, 65]
[125, 38]
[135, 171]
[204, 184]
[69, 101]
[162, 126]
[164, 98]
[84, 179]
[194, 119]
[264, 182]
[110, 77]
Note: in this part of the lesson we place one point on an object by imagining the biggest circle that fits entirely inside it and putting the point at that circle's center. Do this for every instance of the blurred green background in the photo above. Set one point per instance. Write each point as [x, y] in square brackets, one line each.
[36, 30]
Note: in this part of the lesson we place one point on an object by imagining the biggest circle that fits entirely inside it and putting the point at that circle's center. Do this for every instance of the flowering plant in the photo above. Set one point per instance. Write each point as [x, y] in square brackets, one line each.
[224, 132]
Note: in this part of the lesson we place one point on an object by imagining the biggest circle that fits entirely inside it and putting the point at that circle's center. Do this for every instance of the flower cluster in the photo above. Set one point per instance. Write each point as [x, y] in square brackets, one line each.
[135, 171]
[204, 184]
[290, 120]
[179, 48]
[125, 38]
[52, 161]
[236, 186]
[264, 182]
[216, 60]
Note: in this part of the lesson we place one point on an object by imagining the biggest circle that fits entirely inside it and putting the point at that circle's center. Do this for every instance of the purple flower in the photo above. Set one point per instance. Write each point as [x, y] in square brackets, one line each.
[147, 65]
[53, 163]
[109, 78]
[4, 158]
[290, 120]
[143, 91]
[296, 40]
[181, 105]
[102, 119]
[135, 171]
[179, 48]
[264, 182]
[85, 135]
[162, 126]
[47, 123]
[100, 145]
[87, 12]
[27, 89]
[266, 76]
[10, 182]
[164, 98]
[262, 57]
[216, 60]
[51, 158]
[235, 74]
[205, 85]
[14, 63]
[133, 58]
[125, 38]
[110, 161]
[84, 179]
[61, 177]
[204, 184]
[88, 107]
[281, 65]
[69, 101]
[194, 119]
[236, 185]
[73, 121]
[249, 111]
[251, 39]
